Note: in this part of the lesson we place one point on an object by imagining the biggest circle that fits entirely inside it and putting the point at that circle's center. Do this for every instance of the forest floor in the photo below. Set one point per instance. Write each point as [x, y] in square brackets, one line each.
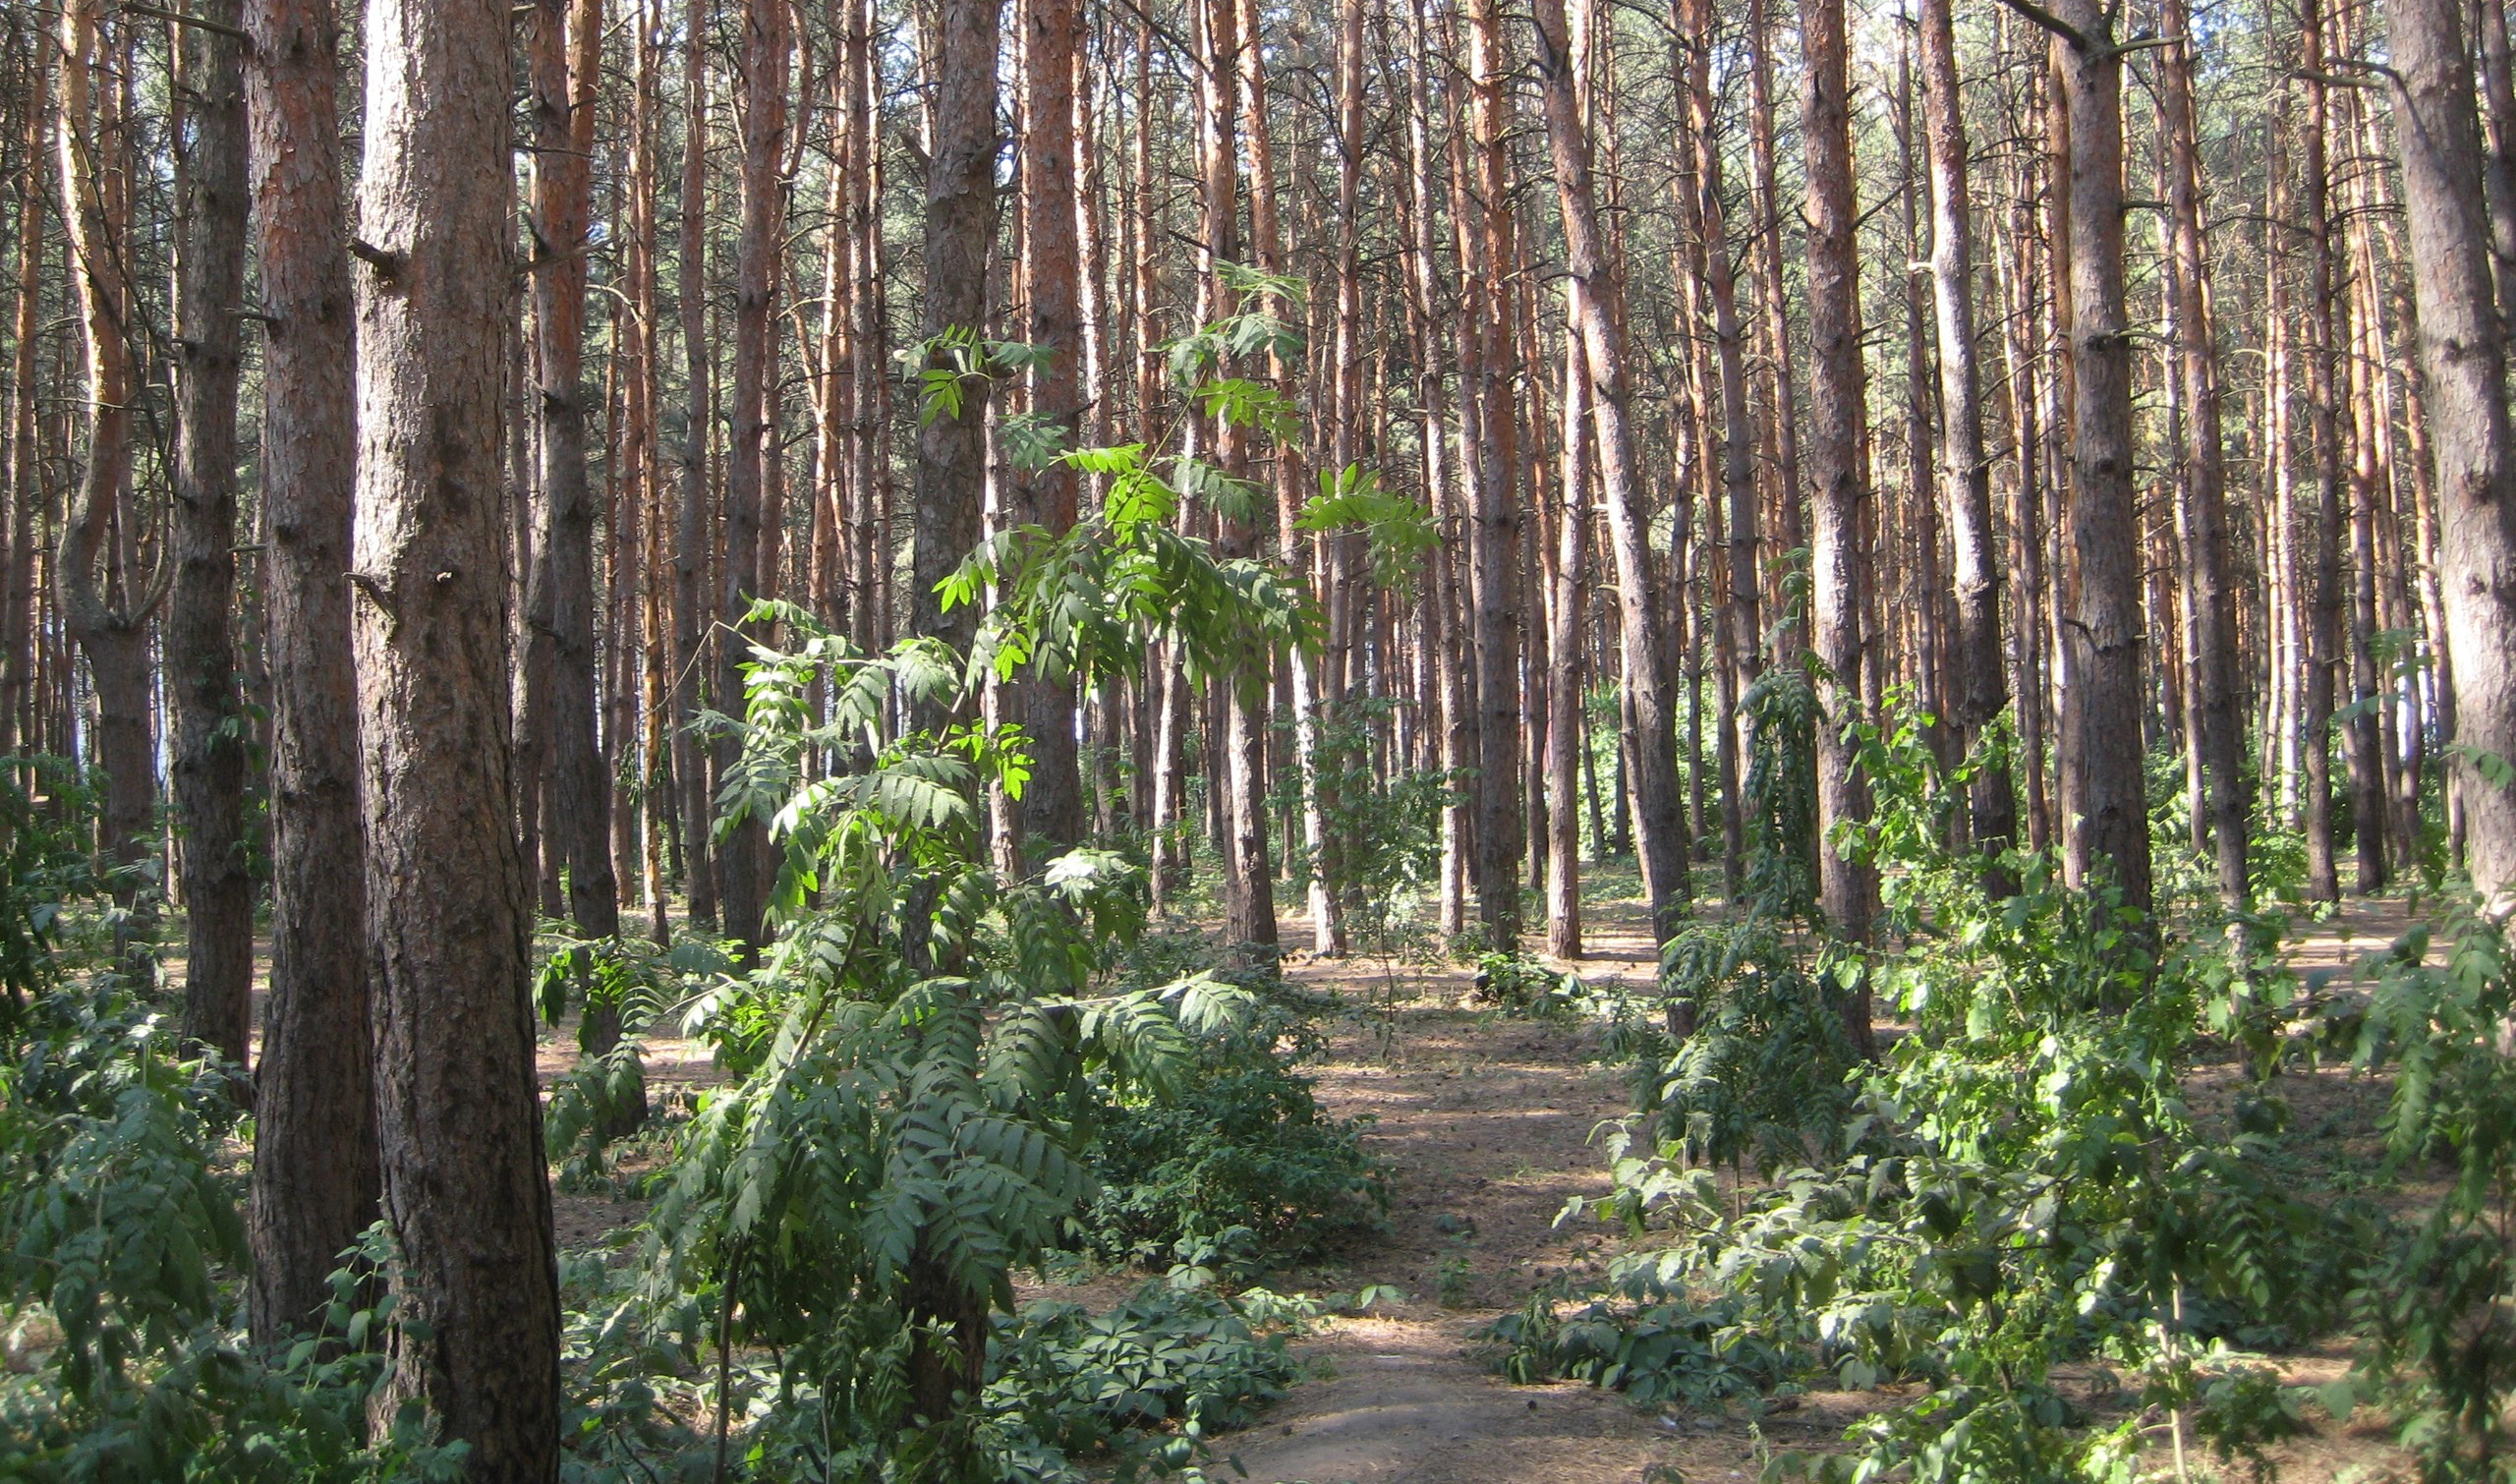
[1488, 1124]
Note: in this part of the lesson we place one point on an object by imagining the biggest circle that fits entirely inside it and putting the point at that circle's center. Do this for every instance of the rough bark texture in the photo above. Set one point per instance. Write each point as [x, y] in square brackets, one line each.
[2320, 598]
[1832, 457]
[2464, 357]
[1966, 474]
[1594, 306]
[743, 851]
[2106, 624]
[315, 1158]
[200, 649]
[106, 611]
[1051, 815]
[466, 1191]
[23, 490]
[1494, 540]
[690, 521]
[564, 44]
[2216, 681]
[961, 227]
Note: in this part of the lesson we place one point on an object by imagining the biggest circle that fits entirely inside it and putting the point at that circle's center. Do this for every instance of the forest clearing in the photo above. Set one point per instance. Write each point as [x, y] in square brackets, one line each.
[1054, 741]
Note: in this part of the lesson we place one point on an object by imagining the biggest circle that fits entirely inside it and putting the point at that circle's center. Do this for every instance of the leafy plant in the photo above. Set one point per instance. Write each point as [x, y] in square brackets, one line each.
[2442, 1337]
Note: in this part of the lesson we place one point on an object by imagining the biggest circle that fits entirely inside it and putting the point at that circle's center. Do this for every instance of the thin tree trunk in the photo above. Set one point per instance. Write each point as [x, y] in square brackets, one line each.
[201, 650]
[2321, 598]
[743, 852]
[2103, 721]
[1965, 471]
[1051, 815]
[2215, 679]
[1594, 311]
[690, 534]
[23, 490]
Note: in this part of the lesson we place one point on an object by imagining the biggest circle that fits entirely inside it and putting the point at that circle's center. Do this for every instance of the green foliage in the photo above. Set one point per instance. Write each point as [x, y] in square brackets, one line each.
[2020, 1183]
[1779, 794]
[2439, 1306]
[1759, 1076]
[1142, 1386]
[1383, 831]
[920, 1055]
[1397, 527]
[1240, 1146]
[1509, 982]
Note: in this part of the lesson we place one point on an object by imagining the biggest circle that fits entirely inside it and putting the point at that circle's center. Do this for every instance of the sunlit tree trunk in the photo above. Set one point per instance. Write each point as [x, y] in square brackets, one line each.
[1966, 471]
[2216, 676]
[1593, 318]
[2464, 356]
[466, 1189]
[1847, 890]
[315, 1177]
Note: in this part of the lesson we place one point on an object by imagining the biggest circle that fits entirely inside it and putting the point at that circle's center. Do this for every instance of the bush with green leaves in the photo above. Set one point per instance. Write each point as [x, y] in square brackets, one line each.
[1139, 1389]
[122, 1251]
[2440, 1307]
[2021, 1184]
[1239, 1143]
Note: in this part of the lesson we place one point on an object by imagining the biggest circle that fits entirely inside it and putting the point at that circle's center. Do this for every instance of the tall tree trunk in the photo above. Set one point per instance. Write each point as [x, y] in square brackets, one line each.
[1695, 29]
[1494, 538]
[2464, 356]
[1568, 731]
[743, 851]
[1594, 309]
[1050, 816]
[466, 1189]
[565, 54]
[107, 613]
[1847, 889]
[2322, 574]
[201, 650]
[1966, 473]
[1790, 631]
[690, 534]
[315, 1180]
[2103, 721]
[2217, 678]
[960, 229]
[23, 490]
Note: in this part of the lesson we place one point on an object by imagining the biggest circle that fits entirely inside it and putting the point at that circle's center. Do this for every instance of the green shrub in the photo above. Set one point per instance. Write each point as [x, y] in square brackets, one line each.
[1241, 1143]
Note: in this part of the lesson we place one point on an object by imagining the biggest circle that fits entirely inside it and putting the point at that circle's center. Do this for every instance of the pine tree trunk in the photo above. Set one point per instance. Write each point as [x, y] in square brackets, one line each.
[1965, 471]
[1595, 315]
[1051, 815]
[23, 489]
[2464, 357]
[466, 1190]
[1847, 890]
[690, 646]
[209, 740]
[2216, 676]
[314, 1174]
[2103, 720]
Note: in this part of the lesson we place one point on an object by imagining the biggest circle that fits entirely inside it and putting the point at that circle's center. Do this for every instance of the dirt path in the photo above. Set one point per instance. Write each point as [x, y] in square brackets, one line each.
[1486, 1123]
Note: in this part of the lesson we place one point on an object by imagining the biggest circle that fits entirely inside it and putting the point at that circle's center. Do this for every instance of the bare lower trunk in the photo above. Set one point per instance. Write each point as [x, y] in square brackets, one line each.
[315, 1155]
[1847, 887]
[2464, 356]
[466, 1191]
[211, 737]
